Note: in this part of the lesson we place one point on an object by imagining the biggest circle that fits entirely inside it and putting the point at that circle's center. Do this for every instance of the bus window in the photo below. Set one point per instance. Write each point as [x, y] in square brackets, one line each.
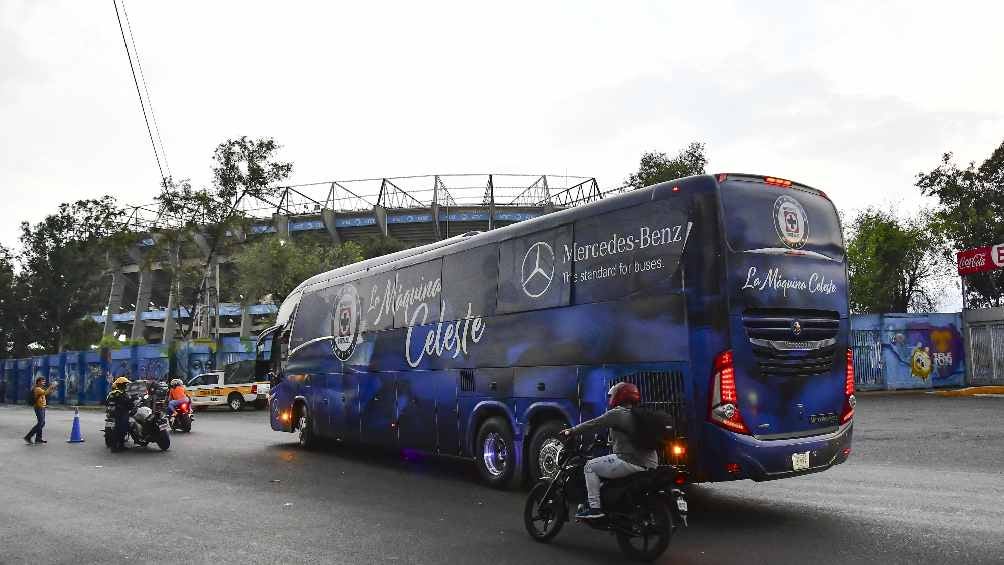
[313, 318]
[624, 252]
[810, 219]
[376, 295]
[534, 272]
[417, 294]
[470, 282]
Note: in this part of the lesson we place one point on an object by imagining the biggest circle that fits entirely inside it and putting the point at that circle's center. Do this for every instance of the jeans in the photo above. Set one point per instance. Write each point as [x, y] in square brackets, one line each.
[39, 424]
[606, 467]
[173, 405]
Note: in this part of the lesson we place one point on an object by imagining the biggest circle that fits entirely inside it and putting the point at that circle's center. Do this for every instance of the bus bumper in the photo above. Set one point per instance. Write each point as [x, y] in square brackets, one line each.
[737, 456]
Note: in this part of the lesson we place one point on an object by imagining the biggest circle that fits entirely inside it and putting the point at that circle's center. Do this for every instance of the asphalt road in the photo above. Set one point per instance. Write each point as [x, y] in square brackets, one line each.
[924, 485]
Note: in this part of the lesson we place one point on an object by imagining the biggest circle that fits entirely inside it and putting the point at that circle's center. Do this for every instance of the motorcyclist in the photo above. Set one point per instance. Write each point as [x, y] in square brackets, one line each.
[626, 458]
[122, 405]
[177, 396]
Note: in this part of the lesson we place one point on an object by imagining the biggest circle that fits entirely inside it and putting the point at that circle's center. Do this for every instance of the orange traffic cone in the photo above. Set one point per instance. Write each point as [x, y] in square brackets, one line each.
[75, 435]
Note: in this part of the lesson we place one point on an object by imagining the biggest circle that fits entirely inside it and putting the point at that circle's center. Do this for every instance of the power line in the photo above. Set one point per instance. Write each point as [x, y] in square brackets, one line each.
[149, 99]
[142, 105]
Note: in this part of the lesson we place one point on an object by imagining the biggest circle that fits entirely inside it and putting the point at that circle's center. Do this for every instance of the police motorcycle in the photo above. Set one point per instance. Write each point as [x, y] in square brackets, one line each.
[147, 423]
[642, 510]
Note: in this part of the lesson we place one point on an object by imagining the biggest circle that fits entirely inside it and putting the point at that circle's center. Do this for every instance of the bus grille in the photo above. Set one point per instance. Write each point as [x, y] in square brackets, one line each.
[781, 351]
[663, 391]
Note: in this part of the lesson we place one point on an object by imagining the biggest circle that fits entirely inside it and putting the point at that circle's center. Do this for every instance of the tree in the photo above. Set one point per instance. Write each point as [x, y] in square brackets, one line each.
[893, 265]
[242, 167]
[273, 267]
[970, 213]
[62, 263]
[10, 303]
[656, 167]
[378, 246]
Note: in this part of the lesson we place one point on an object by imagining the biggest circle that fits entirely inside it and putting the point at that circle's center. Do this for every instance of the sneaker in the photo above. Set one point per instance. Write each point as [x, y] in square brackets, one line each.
[40, 441]
[590, 514]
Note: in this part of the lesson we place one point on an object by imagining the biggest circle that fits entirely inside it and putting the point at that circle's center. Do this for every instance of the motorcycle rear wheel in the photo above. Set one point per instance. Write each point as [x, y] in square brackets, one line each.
[543, 519]
[164, 441]
[653, 532]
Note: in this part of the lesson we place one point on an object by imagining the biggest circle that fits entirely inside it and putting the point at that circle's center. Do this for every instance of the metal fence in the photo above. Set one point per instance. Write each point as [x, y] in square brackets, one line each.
[869, 373]
[986, 345]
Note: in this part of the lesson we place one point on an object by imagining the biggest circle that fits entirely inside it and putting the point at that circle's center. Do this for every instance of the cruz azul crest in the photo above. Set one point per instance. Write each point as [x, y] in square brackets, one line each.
[791, 222]
[346, 322]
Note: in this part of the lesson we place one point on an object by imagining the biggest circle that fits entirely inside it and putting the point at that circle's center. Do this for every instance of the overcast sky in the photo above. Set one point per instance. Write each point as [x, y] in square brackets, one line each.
[854, 98]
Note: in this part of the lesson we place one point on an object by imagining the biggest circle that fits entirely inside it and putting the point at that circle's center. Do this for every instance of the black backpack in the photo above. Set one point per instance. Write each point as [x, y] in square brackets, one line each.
[652, 428]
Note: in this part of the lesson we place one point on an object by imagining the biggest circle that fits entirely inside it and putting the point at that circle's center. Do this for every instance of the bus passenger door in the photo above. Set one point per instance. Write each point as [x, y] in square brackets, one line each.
[447, 415]
[416, 405]
[331, 418]
[378, 414]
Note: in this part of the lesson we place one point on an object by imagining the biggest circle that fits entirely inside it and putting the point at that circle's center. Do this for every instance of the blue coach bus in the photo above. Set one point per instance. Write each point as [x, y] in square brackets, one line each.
[723, 298]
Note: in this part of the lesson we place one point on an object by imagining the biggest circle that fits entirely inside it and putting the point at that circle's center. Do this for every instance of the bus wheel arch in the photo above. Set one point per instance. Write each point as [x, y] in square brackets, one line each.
[543, 447]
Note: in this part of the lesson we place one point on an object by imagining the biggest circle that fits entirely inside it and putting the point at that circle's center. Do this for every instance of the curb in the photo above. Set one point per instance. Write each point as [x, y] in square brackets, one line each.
[971, 391]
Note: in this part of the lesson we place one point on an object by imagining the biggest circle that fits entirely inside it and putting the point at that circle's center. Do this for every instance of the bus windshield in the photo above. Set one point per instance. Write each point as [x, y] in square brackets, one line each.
[802, 220]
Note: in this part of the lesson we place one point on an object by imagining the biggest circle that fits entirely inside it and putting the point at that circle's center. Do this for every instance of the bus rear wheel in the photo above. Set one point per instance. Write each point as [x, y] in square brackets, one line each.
[495, 453]
[545, 447]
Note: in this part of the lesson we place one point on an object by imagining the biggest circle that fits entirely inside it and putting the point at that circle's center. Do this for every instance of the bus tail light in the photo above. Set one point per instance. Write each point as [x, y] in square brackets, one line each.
[724, 409]
[849, 400]
[777, 182]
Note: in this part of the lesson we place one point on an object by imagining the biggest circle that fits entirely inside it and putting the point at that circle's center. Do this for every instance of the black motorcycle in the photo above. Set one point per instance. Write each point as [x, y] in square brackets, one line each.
[642, 510]
[147, 423]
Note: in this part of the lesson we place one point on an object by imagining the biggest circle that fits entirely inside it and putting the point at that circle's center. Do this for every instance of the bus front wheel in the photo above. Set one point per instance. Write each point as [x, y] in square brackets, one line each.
[495, 453]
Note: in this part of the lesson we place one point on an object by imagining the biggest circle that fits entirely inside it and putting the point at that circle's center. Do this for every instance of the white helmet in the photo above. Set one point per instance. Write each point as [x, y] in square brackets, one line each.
[176, 382]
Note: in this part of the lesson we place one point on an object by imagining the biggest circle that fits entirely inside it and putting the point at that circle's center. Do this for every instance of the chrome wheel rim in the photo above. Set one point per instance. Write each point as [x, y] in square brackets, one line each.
[235, 404]
[495, 453]
[547, 459]
[303, 430]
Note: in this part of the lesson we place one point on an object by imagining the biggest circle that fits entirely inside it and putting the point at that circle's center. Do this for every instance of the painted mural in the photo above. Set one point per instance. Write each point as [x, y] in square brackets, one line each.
[904, 351]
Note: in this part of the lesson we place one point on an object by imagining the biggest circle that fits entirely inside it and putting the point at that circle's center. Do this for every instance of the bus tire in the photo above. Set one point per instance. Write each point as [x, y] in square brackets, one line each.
[543, 451]
[305, 426]
[495, 453]
[235, 401]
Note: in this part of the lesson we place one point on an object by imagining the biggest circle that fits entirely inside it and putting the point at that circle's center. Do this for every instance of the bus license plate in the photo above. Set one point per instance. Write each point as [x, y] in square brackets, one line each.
[800, 461]
[681, 504]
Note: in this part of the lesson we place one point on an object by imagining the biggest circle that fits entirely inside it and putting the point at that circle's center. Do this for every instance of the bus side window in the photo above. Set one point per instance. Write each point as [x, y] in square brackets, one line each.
[535, 271]
[470, 282]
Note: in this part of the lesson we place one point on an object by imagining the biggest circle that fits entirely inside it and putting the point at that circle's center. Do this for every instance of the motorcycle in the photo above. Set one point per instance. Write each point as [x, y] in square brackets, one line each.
[182, 418]
[642, 510]
[147, 423]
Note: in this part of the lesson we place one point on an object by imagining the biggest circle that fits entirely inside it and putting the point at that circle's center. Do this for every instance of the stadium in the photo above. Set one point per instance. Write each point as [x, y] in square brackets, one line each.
[144, 302]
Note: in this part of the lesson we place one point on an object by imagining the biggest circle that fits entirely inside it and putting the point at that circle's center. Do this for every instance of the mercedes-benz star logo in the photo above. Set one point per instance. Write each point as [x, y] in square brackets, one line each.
[538, 269]
[796, 327]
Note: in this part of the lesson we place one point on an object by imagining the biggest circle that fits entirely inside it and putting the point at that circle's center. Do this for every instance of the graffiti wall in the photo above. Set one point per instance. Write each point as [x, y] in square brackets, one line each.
[907, 351]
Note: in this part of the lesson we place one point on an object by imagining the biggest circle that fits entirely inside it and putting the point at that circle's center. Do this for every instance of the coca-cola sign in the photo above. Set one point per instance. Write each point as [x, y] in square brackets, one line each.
[981, 259]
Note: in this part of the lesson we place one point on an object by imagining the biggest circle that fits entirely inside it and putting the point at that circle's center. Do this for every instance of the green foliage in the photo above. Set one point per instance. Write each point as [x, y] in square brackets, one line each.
[893, 265]
[109, 342]
[970, 213]
[273, 267]
[81, 334]
[10, 305]
[656, 167]
[59, 254]
[380, 245]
